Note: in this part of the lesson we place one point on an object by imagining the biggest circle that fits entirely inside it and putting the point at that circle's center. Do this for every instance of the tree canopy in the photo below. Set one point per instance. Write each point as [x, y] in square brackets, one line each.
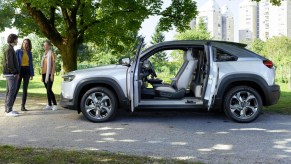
[278, 50]
[274, 2]
[198, 33]
[160, 58]
[6, 15]
[257, 46]
[68, 23]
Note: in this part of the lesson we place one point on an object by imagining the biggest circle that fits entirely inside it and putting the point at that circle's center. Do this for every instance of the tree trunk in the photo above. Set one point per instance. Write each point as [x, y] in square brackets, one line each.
[69, 55]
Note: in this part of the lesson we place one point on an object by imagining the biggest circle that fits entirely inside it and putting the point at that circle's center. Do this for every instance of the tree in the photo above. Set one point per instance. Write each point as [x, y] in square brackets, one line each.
[1, 58]
[158, 36]
[274, 2]
[278, 50]
[69, 23]
[257, 46]
[160, 58]
[37, 51]
[198, 33]
[6, 14]
[84, 52]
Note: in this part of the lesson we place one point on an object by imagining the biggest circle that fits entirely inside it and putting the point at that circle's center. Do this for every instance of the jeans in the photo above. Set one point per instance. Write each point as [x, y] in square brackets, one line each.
[11, 84]
[50, 94]
[25, 75]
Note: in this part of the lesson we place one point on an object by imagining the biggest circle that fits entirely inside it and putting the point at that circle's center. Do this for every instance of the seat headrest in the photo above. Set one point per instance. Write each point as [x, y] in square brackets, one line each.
[189, 55]
[195, 53]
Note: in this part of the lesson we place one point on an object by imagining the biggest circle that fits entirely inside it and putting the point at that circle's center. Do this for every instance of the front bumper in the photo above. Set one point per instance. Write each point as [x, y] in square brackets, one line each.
[66, 103]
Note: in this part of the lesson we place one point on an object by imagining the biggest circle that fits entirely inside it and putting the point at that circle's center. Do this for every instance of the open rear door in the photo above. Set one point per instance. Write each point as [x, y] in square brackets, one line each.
[213, 73]
[133, 89]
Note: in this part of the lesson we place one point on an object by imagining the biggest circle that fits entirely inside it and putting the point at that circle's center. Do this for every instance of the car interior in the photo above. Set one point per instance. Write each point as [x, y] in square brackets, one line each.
[189, 80]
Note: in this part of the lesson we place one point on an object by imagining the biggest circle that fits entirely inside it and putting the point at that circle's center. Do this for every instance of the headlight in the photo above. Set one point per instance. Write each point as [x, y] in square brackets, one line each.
[68, 78]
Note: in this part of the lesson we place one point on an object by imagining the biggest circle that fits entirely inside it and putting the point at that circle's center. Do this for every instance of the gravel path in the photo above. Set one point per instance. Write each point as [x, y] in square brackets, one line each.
[205, 137]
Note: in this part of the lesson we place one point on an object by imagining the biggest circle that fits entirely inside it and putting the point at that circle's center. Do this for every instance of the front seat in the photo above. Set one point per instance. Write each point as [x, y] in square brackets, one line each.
[178, 87]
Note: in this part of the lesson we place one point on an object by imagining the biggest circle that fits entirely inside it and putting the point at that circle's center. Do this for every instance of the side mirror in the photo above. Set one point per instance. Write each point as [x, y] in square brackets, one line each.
[124, 61]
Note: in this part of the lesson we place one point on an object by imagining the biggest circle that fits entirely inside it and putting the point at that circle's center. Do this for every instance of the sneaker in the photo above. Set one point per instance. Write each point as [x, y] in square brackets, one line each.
[12, 114]
[47, 107]
[15, 112]
[55, 107]
[23, 109]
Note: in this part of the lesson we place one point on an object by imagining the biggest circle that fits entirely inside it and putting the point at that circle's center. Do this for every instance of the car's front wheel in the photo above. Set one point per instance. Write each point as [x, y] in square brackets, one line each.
[243, 104]
[99, 104]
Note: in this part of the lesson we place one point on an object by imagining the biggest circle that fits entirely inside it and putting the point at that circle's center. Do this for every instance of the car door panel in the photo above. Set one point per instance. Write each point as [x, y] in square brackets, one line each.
[213, 72]
[134, 76]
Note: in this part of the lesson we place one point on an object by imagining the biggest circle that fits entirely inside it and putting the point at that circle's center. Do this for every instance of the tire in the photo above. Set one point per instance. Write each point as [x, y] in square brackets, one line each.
[99, 104]
[242, 104]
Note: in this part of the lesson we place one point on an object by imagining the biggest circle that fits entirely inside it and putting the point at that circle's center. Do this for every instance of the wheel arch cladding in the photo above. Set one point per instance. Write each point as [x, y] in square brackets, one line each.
[86, 84]
[254, 81]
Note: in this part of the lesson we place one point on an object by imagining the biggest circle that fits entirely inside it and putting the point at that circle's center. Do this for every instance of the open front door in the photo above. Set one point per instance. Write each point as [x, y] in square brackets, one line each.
[213, 73]
[133, 89]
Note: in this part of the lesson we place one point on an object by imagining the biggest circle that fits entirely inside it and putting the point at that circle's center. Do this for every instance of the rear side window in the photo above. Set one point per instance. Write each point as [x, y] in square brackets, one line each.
[221, 55]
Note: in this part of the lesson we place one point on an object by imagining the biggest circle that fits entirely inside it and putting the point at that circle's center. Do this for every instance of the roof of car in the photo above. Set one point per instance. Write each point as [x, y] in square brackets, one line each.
[237, 49]
[195, 43]
[202, 42]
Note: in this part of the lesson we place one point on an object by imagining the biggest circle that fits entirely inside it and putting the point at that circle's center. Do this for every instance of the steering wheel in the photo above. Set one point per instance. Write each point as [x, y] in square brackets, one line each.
[151, 69]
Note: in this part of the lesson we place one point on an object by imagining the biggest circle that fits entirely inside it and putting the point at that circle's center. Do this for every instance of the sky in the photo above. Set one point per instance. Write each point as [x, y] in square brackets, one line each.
[4, 34]
[148, 26]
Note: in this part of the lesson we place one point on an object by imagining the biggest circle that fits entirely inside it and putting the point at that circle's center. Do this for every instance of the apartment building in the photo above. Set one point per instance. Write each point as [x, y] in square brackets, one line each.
[248, 21]
[264, 20]
[211, 14]
[227, 24]
[219, 22]
[280, 19]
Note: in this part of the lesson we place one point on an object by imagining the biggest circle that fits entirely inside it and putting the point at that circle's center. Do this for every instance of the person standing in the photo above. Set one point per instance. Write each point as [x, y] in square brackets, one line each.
[25, 65]
[48, 70]
[11, 72]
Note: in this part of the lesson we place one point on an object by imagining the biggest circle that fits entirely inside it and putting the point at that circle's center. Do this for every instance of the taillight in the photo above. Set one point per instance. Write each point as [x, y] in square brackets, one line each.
[268, 63]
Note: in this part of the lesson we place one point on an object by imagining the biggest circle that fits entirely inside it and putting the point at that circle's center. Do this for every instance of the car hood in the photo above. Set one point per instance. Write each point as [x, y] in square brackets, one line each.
[102, 70]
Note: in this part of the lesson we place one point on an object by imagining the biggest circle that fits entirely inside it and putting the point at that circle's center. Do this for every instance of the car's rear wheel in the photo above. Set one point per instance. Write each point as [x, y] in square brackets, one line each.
[99, 104]
[243, 104]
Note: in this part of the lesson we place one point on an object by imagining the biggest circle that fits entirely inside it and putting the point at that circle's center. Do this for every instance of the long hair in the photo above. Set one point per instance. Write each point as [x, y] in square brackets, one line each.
[49, 43]
[29, 44]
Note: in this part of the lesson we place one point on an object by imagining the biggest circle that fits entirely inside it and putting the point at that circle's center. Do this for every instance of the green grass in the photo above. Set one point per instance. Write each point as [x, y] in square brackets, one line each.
[284, 104]
[36, 88]
[10, 154]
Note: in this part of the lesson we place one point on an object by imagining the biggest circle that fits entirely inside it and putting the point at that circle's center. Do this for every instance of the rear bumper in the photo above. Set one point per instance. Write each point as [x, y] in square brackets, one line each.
[272, 95]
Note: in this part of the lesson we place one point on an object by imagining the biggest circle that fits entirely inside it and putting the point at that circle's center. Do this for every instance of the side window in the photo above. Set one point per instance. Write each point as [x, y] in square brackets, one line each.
[221, 55]
[167, 63]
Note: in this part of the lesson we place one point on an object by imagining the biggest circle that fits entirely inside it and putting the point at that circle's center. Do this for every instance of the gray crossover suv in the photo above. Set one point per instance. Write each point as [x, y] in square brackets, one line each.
[214, 75]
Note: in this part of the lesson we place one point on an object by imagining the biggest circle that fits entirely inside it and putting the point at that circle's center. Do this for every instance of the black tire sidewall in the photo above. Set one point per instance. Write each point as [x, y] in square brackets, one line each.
[232, 92]
[112, 97]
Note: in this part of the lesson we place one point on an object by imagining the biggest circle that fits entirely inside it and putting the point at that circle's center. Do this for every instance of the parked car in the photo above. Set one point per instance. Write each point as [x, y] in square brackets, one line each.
[214, 75]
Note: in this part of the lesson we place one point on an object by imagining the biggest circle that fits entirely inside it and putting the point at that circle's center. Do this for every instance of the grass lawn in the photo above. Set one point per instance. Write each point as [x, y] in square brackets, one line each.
[10, 154]
[36, 87]
[284, 104]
